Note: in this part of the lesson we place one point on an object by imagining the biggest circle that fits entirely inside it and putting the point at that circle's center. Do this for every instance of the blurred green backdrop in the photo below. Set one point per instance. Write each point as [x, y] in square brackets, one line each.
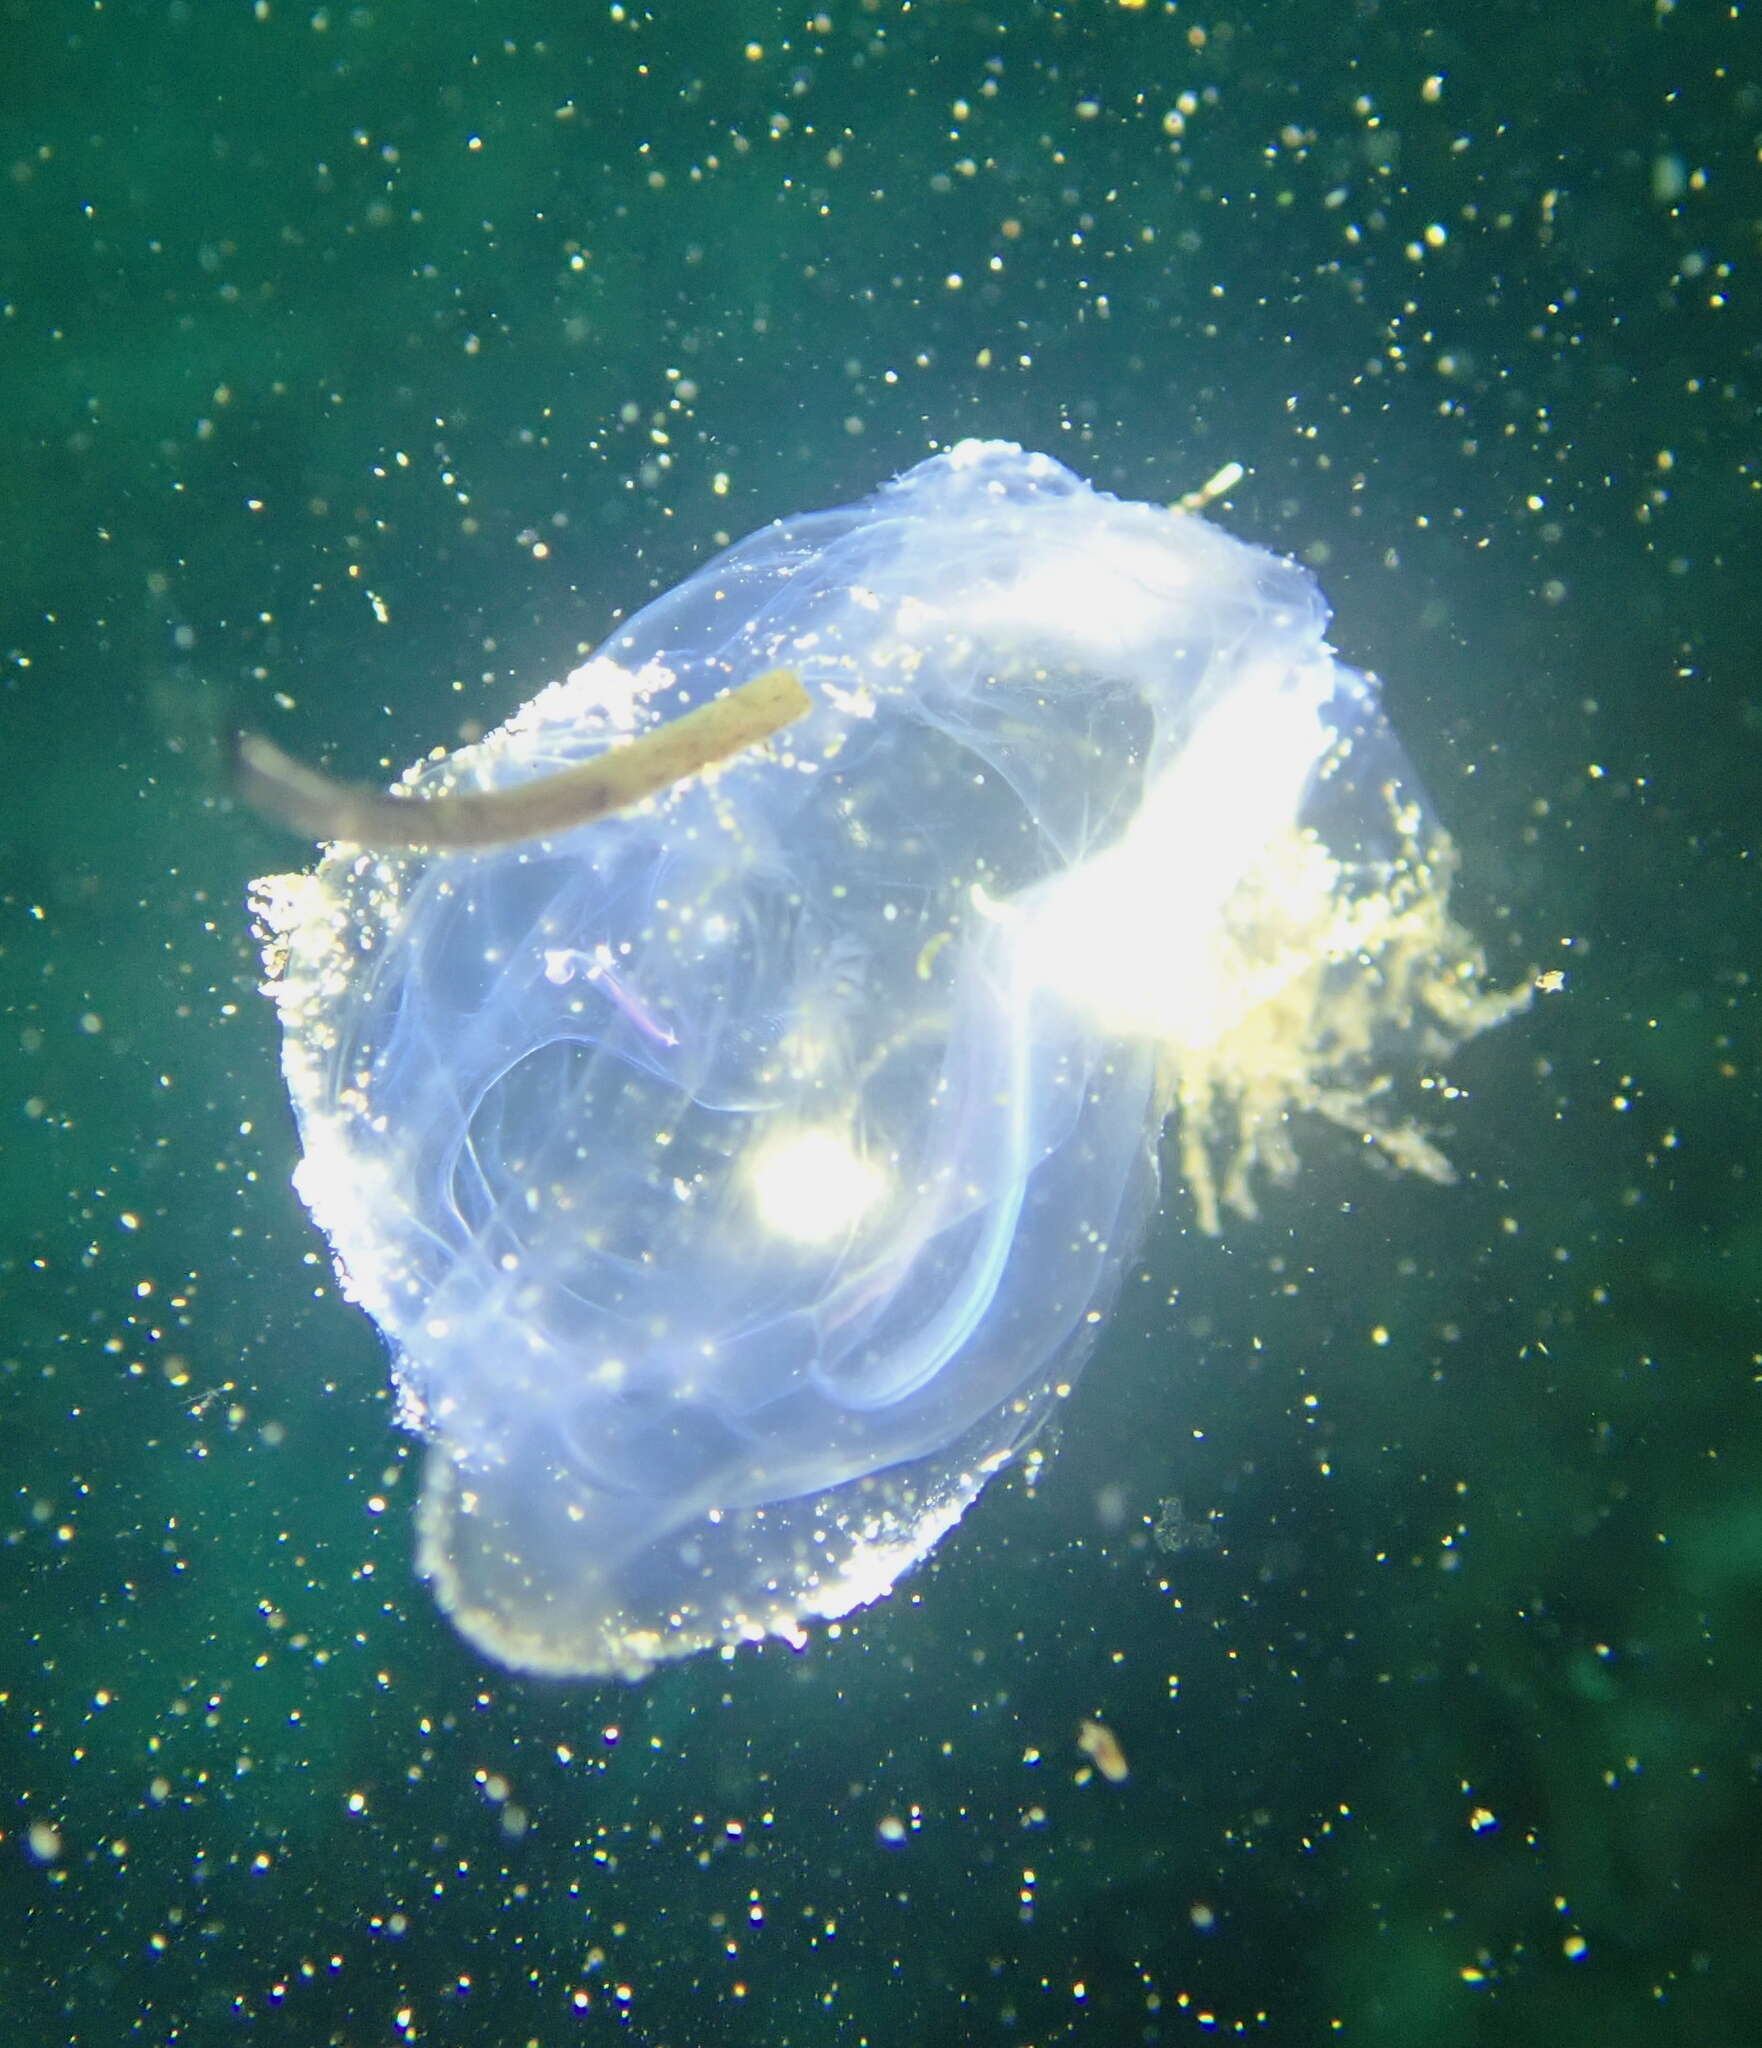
[359, 365]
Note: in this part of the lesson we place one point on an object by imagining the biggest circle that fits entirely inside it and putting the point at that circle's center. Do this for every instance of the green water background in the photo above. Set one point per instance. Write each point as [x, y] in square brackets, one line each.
[358, 365]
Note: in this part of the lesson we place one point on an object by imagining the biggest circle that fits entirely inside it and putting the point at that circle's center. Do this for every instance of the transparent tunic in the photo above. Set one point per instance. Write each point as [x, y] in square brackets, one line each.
[740, 1179]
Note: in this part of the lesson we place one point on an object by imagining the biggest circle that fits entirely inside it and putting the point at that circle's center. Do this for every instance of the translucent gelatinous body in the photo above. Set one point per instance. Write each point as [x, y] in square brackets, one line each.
[740, 1179]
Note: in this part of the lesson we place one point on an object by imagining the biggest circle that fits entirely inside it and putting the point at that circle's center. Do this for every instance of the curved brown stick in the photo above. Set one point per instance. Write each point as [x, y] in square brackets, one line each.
[319, 806]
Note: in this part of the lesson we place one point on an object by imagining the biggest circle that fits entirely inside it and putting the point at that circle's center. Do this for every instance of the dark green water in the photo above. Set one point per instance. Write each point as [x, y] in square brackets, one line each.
[1444, 1729]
